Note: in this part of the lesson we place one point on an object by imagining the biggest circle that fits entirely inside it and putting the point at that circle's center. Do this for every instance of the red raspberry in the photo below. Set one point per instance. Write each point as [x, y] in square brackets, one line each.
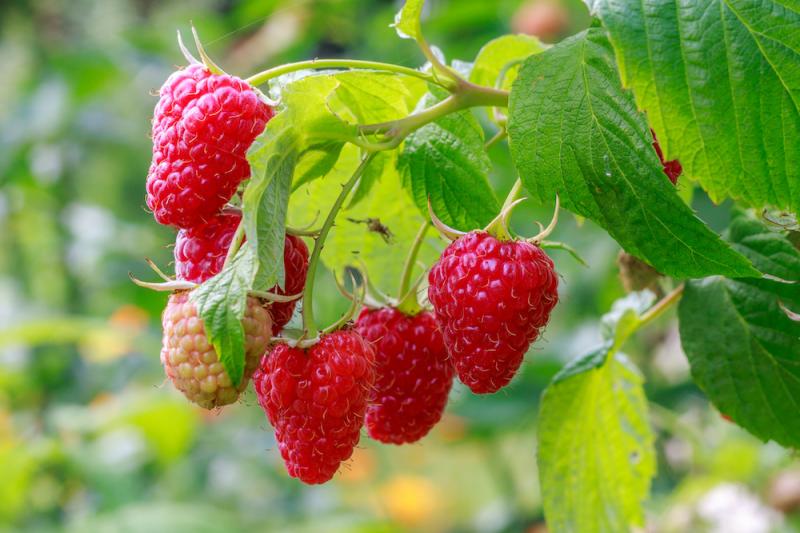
[295, 266]
[200, 253]
[491, 299]
[315, 399]
[202, 127]
[414, 374]
[672, 168]
[192, 363]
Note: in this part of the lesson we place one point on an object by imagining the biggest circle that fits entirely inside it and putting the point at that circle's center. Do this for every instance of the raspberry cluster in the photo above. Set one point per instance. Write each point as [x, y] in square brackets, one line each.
[491, 299]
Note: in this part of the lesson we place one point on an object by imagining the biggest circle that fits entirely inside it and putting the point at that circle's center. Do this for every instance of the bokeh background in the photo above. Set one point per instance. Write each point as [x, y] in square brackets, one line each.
[91, 436]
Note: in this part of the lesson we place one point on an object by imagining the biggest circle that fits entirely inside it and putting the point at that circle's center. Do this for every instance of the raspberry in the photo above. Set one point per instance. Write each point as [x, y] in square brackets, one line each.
[414, 374]
[672, 168]
[192, 363]
[295, 265]
[491, 299]
[315, 398]
[200, 253]
[202, 127]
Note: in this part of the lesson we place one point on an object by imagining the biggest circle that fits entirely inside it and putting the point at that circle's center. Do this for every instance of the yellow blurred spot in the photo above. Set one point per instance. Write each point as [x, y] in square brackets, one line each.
[410, 500]
[359, 468]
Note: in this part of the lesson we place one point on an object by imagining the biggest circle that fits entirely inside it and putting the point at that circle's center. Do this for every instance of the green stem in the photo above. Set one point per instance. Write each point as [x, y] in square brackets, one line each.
[236, 243]
[512, 194]
[309, 326]
[665, 303]
[269, 74]
[408, 303]
[468, 95]
[499, 136]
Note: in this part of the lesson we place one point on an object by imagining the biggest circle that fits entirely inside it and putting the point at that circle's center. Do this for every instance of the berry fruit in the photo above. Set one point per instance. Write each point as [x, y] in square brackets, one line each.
[295, 266]
[315, 398]
[491, 299]
[200, 253]
[202, 127]
[192, 363]
[414, 374]
[672, 168]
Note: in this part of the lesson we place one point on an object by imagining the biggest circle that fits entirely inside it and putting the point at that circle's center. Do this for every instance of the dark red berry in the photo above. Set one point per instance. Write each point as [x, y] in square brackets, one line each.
[672, 168]
[315, 399]
[200, 251]
[491, 299]
[295, 265]
[413, 374]
[202, 127]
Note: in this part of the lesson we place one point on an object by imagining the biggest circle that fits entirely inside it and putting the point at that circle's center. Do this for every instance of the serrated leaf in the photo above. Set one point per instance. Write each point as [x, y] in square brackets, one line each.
[351, 243]
[272, 159]
[743, 349]
[625, 316]
[369, 97]
[221, 303]
[574, 131]
[446, 162]
[499, 54]
[316, 161]
[596, 455]
[721, 87]
[381, 163]
[407, 20]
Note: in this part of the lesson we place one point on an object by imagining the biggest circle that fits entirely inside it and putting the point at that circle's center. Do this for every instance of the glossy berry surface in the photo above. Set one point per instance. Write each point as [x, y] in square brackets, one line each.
[315, 398]
[202, 127]
[672, 168]
[191, 362]
[413, 374]
[295, 265]
[491, 300]
[200, 251]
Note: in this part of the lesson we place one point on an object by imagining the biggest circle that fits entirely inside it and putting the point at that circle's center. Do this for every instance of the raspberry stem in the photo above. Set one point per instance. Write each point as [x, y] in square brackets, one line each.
[272, 73]
[236, 243]
[408, 303]
[310, 330]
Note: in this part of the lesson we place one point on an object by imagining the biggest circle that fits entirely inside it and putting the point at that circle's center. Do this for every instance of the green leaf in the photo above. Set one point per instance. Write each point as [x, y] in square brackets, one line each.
[596, 454]
[721, 87]
[368, 97]
[446, 162]
[574, 131]
[315, 161]
[407, 20]
[272, 159]
[743, 349]
[221, 303]
[625, 316]
[502, 54]
[351, 243]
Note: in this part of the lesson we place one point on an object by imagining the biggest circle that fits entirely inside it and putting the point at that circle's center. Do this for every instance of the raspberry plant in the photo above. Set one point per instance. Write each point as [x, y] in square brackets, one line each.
[353, 156]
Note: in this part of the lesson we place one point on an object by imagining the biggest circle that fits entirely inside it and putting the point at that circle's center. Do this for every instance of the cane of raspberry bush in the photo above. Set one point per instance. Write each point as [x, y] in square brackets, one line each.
[414, 374]
[315, 398]
[202, 127]
[492, 298]
[200, 254]
[191, 362]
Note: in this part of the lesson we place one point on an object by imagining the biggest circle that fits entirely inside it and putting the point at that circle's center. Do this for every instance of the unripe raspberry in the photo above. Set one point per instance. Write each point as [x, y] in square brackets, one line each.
[491, 300]
[315, 399]
[200, 254]
[414, 374]
[202, 127]
[191, 362]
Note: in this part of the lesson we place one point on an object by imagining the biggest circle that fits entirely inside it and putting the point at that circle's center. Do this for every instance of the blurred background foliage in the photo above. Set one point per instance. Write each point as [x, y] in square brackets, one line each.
[93, 439]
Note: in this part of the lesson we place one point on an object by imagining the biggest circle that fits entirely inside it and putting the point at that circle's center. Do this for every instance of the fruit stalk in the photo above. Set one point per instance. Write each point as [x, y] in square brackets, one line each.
[408, 299]
[272, 73]
[309, 326]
